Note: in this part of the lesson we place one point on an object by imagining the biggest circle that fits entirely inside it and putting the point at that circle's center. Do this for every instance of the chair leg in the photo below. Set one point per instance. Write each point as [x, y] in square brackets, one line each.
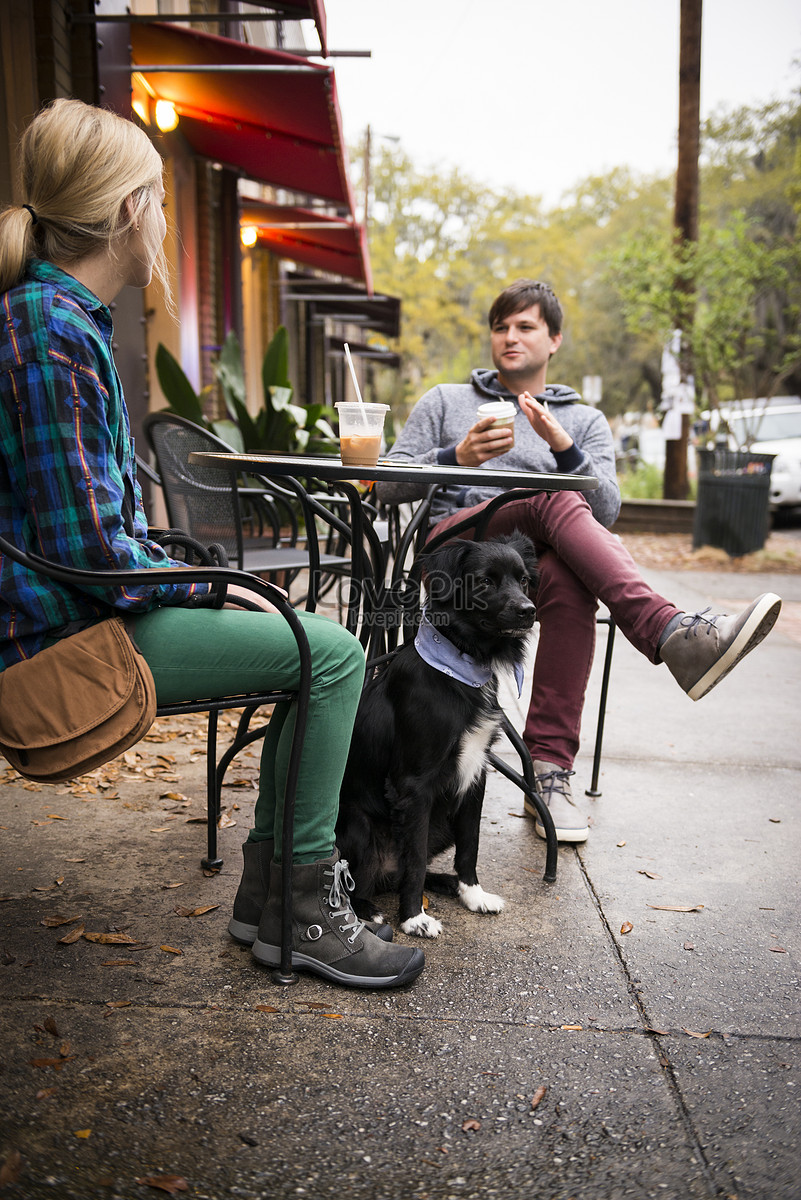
[527, 784]
[212, 862]
[592, 790]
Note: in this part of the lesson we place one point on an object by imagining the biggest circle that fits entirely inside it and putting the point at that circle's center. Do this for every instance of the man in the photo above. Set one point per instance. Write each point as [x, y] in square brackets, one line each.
[580, 561]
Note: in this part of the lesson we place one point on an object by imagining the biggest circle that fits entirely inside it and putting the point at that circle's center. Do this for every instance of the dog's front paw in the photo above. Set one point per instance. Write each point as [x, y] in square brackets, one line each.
[422, 926]
[476, 899]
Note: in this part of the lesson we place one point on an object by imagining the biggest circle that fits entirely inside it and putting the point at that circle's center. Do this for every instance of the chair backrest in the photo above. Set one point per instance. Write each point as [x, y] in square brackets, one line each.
[203, 501]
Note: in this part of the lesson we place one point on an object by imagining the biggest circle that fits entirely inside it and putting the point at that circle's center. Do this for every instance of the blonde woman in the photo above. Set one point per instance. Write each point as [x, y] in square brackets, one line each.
[93, 223]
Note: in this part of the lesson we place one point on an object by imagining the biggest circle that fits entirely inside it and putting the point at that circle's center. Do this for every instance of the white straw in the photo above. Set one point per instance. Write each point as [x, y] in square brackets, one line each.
[353, 372]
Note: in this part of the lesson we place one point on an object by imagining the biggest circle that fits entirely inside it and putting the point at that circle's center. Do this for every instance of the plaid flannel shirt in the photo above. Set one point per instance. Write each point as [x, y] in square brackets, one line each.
[68, 488]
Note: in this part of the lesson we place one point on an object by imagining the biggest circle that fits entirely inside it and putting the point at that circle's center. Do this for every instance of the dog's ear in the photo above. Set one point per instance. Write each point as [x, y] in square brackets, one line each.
[525, 548]
[447, 560]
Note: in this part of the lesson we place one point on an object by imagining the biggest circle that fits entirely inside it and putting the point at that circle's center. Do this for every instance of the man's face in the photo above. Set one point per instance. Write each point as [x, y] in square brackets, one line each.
[522, 346]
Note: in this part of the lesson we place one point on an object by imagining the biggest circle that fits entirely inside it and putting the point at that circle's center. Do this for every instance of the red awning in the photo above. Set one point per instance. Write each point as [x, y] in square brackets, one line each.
[280, 126]
[335, 245]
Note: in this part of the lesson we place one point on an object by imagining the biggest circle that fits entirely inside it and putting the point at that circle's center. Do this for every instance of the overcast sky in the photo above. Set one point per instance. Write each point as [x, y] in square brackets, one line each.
[535, 96]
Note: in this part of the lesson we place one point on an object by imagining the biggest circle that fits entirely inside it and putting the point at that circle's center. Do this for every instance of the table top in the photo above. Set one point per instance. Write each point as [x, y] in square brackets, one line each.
[331, 469]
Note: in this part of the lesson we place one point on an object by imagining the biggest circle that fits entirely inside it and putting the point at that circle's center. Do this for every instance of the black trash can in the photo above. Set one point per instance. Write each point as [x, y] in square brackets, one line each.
[732, 510]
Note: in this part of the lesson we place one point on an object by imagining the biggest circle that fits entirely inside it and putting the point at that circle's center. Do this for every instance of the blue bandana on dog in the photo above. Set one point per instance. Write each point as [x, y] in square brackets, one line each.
[435, 649]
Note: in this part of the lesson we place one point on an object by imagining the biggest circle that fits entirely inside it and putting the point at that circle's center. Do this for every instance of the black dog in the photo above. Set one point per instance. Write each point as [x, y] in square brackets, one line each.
[414, 783]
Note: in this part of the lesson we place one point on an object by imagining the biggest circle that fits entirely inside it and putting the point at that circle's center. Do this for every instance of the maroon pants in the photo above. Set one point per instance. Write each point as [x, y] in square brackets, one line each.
[580, 563]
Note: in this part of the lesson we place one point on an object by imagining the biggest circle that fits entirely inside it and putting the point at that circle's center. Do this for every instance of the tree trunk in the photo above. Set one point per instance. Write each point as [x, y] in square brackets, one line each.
[685, 222]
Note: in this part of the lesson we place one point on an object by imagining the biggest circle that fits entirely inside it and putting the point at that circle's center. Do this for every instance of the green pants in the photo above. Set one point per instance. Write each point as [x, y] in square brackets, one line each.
[196, 653]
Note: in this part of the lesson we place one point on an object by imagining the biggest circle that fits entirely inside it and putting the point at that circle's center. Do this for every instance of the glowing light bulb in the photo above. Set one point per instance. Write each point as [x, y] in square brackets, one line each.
[166, 116]
[249, 235]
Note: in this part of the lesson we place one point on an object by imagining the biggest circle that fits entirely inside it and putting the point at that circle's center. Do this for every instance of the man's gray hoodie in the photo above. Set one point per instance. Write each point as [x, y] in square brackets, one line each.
[442, 417]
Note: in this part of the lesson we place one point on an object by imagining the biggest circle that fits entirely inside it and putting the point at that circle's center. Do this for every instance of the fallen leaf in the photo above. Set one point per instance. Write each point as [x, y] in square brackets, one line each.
[161, 829]
[333, 1016]
[54, 921]
[575, 1028]
[661, 1032]
[650, 874]
[56, 817]
[691, 1033]
[165, 1183]
[539, 1095]
[74, 935]
[110, 939]
[196, 912]
[777, 949]
[165, 887]
[118, 1004]
[266, 1008]
[620, 844]
[470, 1125]
[689, 946]
[677, 907]
[775, 820]
[55, 1063]
[45, 1093]
[51, 1027]
[83, 1133]
[9, 1171]
[170, 950]
[226, 822]
[626, 927]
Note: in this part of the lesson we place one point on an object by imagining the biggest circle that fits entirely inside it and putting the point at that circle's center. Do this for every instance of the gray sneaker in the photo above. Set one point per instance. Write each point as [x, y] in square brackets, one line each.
[705, 647]
[553, 785]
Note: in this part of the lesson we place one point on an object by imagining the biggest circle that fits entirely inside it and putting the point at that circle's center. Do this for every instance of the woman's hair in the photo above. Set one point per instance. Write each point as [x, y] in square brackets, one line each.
[524, 293]
[78, 165]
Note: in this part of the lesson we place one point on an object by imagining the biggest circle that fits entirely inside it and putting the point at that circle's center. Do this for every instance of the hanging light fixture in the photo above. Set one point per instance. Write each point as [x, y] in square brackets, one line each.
[166, 115]
[249, 235]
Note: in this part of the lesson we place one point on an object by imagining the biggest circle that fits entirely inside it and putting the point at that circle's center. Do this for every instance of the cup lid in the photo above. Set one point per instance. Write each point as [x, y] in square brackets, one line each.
[373, 405]
[497, 408]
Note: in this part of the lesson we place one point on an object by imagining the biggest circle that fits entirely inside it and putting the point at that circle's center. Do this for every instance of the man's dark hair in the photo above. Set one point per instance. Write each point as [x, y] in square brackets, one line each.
[523, 293]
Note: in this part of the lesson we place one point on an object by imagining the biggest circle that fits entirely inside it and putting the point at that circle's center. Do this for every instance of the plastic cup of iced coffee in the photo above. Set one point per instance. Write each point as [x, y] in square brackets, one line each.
[503, 412]
[361, 427]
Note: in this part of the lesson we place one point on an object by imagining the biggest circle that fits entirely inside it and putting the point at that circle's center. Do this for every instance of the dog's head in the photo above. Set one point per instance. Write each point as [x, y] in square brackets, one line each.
[478, 594]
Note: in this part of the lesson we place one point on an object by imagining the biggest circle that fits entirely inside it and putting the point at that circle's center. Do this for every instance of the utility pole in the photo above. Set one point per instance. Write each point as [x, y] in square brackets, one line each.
[685, 224]
[367, 153]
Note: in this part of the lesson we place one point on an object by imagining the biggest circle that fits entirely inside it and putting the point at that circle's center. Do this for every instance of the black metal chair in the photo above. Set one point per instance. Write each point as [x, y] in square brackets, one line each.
[216, 506]
[250, 701]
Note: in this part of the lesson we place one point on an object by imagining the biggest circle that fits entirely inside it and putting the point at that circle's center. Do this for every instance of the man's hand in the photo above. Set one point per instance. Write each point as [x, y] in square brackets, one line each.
[483, 441]
[544, 423]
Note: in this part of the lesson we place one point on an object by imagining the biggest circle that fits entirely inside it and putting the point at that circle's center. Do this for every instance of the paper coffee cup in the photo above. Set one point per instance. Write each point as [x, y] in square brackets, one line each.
[503, 412]
[361, 428]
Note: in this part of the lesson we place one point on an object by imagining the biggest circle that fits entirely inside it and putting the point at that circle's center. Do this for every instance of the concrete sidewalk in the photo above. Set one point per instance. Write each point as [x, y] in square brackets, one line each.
[544, 1053]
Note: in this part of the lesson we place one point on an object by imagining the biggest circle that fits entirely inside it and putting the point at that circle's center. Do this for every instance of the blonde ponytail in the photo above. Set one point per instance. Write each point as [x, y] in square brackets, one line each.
[78, 166]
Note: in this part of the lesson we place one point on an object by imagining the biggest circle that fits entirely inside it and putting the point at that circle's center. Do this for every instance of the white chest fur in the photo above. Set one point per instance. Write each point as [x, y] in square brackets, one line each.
[472, 759]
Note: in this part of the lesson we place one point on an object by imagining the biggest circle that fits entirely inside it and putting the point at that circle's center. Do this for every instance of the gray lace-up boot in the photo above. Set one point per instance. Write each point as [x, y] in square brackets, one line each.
[704, 648]
[328, 939]
[553, 785]
[251, 895]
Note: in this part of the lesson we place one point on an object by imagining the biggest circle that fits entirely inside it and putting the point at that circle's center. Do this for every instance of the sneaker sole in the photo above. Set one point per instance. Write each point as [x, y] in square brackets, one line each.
[270, 956]
[562, 835]
[757, 627]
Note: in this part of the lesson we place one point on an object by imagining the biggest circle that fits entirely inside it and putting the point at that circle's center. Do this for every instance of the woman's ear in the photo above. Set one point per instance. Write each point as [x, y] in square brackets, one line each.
[127, 212]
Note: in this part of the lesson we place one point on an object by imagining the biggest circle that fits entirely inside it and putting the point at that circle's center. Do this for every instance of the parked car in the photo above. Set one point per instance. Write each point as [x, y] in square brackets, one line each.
[773, 429]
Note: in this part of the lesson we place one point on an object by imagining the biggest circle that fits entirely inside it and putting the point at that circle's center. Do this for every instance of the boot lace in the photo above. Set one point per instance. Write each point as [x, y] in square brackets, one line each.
[339, 900]
[555, 781]
[699, 622]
